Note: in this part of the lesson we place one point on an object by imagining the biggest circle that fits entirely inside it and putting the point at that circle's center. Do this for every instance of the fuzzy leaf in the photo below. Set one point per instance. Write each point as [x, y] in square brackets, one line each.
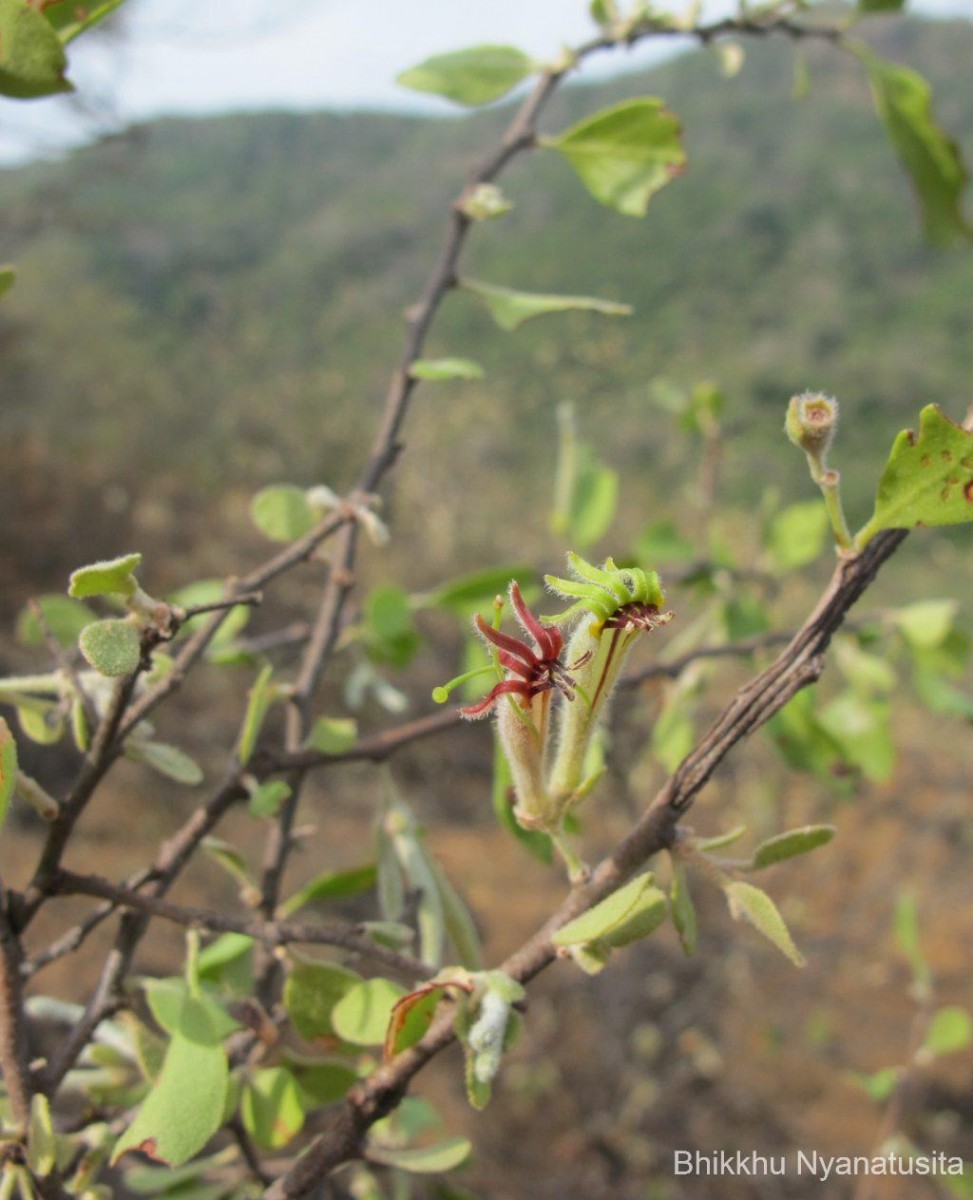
[32, 59]
[434, 370]
[266, 798]
[167, 760]
[64, 617]
[756, 906]
[411, 1017]
[625, 153]
[931, 158]
[272, 1107]
[311, 993]
[185, 1107]
[928, 479]
[511, 309]
[362, 1015]
[608, 914]
[41, 1144]
[282, 513]
[112, 647]
[111, 577]
[791, 844]
[472, 77]
[211, 591]
[332, 885]
[423, 1160]
[8, 768]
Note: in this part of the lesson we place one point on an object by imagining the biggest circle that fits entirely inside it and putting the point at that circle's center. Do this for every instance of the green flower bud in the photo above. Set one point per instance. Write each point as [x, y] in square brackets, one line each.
[811, 421]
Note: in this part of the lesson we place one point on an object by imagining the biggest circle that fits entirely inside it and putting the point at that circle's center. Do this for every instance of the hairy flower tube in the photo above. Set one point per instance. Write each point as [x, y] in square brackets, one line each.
[624, 602]
[522, 702]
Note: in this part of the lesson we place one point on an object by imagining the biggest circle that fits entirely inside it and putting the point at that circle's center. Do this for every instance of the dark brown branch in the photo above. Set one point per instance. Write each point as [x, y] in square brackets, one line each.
[14, 1052]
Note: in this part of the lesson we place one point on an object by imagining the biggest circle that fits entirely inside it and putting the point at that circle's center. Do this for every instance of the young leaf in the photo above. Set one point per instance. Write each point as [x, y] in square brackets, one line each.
[931, 158]
[63, 617]
[272, 1107]
[925, 623]
[720, 840]
[796, 535]
[411, 1017]
[423, 1160]
[607, 915]
[112, 577]
[41, 1145]
[363, 1013]
[927, 480]
[282, 513]
[310, 994]
[32, 59]
[332, 735]
[185, 1107]
[332, 885]
[472, 77]
[112, 647]
[266, 798]
[71, 19]
[511, 309]
[167, 760]
[790, 844]
[166, 998]
[467, 592]
[950, 1030]
[219, 962]
[756, 906]
[260, 697]
[210, 591]
[8, 768]
[906, 932]
[434, 370]
[683, 910]
[625, 153]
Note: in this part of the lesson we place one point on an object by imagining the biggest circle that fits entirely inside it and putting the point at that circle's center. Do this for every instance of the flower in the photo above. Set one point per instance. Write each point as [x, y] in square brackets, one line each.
[529, 671]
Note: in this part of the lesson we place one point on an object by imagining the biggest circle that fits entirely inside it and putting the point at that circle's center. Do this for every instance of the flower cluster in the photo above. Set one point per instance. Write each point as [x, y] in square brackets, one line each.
[546, 749]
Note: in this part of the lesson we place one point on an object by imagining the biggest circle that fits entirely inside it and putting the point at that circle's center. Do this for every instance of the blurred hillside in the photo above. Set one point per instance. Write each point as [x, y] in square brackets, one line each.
[215, 304]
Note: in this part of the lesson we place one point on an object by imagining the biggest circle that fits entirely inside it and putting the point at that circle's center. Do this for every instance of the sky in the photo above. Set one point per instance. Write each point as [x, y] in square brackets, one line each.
[177, 57]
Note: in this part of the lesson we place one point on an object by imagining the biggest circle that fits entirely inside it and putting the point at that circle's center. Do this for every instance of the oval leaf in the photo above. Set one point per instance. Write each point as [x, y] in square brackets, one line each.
[272, 1107]
[32, 59]
[625, 153]
[424, 1160]
[927, 480]
[411, 1017]
[311, 993]
[282, 513]
[333, 735]
[185, 1107]
[111, 577]
[167, 760]
[266, 798]
[112, 647]
[790, 844]
[332, 885]
[756, 906]
[64, 617]
[472, 77]
[511, 309]
[605, 916]
[362, 1015]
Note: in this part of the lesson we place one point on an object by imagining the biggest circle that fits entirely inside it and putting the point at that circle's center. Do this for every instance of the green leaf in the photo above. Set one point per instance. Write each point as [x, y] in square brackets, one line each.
[472, 77]
[226, 959]
[423, 1160]
[272, 1107]
[111, 577]
[662, 542]
[511, 309]
[790, 844]
[266, 798]
[863, 730]
[41, 1144]
[167, 760]
[756, 906]
[166, 998]
[112, 647]
[594, 502]
[625, 153]
[673, 735]
[362, 1015]
[41, 722]
[261, 696]
[70, 18]
[8, 768]
[391, 635]
[608, 914]
[460, 927]
[928, 478]
[152, 1180]
[721, 840]
[682, 907]
[796, 535]
[879, 6]
[32, 59]
[310, 994]
[64, 617]
[211, 591]
[185, 1107]
[931, 158]
[926, 623]
[881, 1085]
[411, 1017]
[333, 735]
[434, 370]
[950, 1030]
[867, 673]
[8, 277]
[325, 1082]
[282, 513]
[905, 928]
[332, 885]
[479, 588]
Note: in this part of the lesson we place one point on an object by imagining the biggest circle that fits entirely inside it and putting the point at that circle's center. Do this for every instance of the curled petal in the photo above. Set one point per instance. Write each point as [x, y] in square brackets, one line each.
[504, 642]
[549, 641]
[505, 687]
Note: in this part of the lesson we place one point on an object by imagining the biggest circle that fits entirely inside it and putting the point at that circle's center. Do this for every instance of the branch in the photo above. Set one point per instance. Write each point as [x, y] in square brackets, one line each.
[798, 665]
[14, 1052]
